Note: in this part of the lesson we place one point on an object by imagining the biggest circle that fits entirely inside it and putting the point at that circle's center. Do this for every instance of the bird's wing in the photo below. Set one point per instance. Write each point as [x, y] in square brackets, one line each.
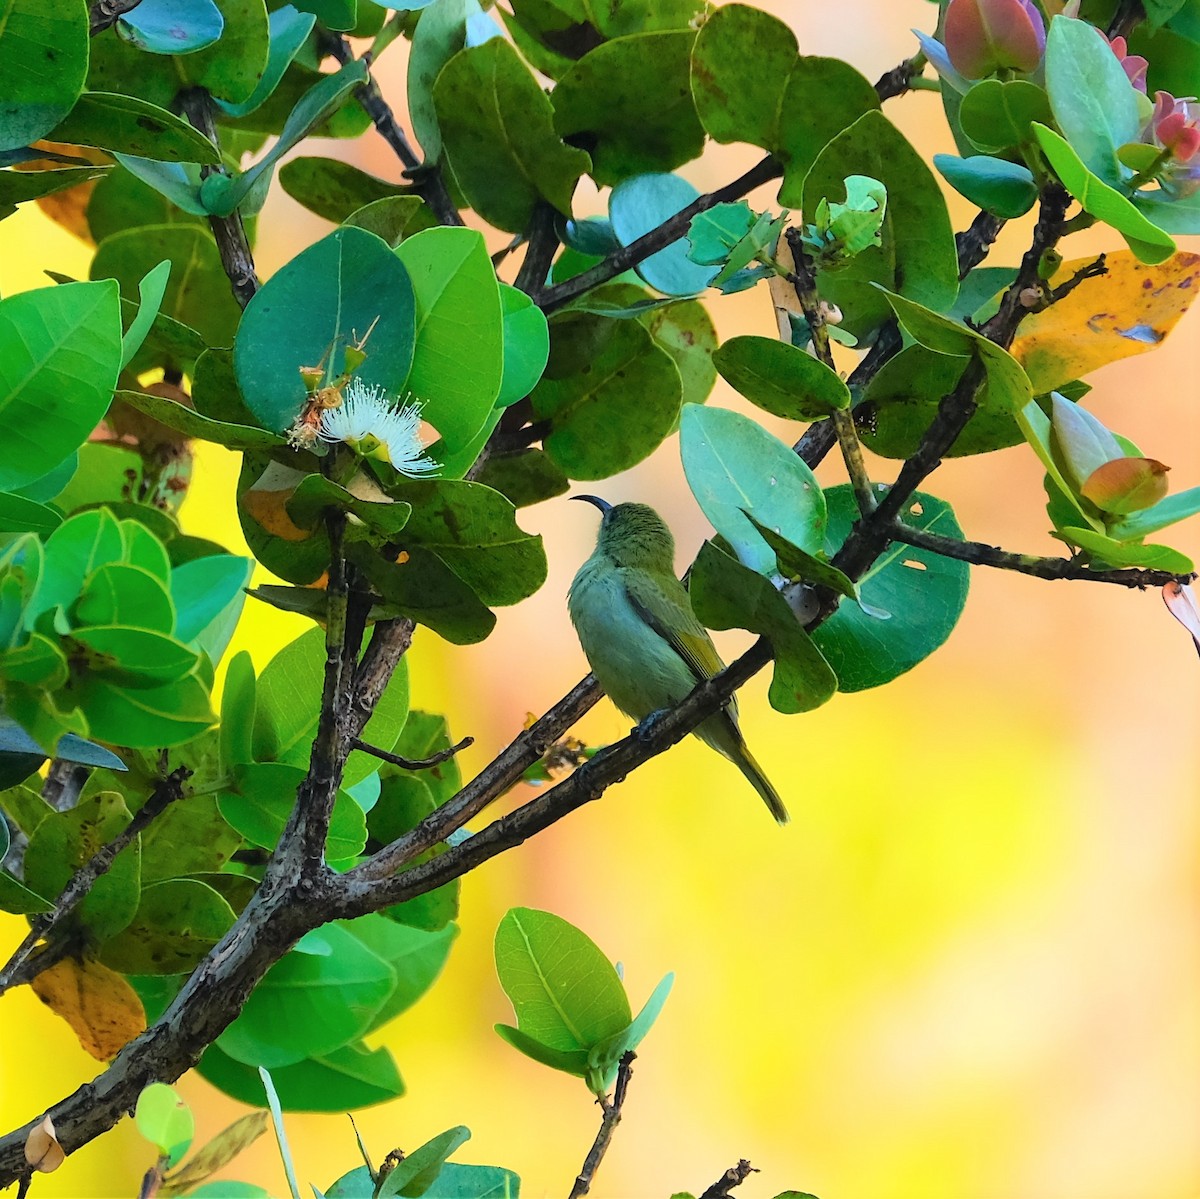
[664, 605]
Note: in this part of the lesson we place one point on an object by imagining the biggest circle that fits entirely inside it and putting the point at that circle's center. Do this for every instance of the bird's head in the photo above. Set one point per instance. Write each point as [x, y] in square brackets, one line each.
[633, 535]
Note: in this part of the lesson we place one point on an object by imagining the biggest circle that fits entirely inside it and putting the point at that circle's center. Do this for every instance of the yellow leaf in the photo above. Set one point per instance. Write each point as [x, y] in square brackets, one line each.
[102, 1008]
[219, 1152]
[1127, 311]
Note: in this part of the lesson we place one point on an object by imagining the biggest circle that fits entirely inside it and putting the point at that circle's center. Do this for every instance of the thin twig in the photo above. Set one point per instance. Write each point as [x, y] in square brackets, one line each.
[804, 281]
[608, 1125]
[1129, 15]
[427, 178]
[228, 231]
[1090, 270]
[428, 763]
[542, 239]
[979, 554]
[733, 1177]
[164, 794]
[106, 13]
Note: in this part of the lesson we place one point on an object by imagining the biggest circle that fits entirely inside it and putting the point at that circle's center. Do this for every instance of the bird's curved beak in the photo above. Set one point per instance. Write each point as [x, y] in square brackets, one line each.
[604, 506]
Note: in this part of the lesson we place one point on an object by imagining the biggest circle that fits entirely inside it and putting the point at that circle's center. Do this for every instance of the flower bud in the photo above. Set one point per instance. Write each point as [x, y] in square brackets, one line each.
[1175, 127]
[1134, 64]
[983, 36]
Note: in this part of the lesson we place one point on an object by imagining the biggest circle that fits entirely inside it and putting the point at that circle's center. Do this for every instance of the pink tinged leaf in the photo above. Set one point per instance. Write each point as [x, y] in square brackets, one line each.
[1126, 485]
[985, 35]
[1181, 603]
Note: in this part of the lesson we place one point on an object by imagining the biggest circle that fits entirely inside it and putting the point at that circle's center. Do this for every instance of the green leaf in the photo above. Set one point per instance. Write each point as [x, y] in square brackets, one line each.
[1109, 551]
[18, 899]
[564, 991]
[171, 26]
[165, 1121]
[20, 515]
[797, 565]
[261, 801]
[686, 332]
[176, 183]
[146, 717]
[780, 378]
[348, 1078]
[473, 530]
[228, 1189]
[310, 1004]
[1166, 512]
[16, 187]
[606, 1056]
[177, 922]
[60, 350]
[285, 1151]
[1094, 104]
[1105, 203]
[393, 218]
[191, 837]
[334, 189]
[118, 593]
[917, 256]
[644, 202]
[333, 14]
[734, 467]
[131, 657]
[208, 594]
[191, 423]
[728, 595]
[456, 1181]
[425, 589]
[43, 63]
[604, 375]
[456, 289]
[151, 291]
[741, 57]
[65, 841]
[198, 292]
[289, 709]
[416, 955]
[379, 521]
[1006, 189]
[902, 401]
[440, 34]
[310, 310]
[232, 67]
[912, 598]
[288, 31]
[222, 195]
[997, 114]
[115, 122]
[601, 103]
[497, 128]
[418, 1170]
[1007, 388]
[526, 345]
[525, 478]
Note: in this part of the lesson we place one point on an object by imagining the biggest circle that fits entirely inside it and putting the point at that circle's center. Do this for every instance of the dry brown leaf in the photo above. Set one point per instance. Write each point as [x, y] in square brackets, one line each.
[102, 1008]
[219, 1152]
[1181, 603]
[42, 1150]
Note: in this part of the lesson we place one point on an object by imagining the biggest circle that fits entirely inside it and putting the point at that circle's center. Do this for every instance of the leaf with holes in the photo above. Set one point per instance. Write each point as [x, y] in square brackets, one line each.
[912, 598]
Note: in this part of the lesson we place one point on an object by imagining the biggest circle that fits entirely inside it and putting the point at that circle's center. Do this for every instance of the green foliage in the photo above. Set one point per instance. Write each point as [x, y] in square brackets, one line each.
[781, 378]
[571, 1007]
[165, 1121]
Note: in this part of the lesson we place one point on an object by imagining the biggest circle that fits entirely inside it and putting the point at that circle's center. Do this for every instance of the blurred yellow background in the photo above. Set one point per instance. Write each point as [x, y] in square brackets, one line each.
[968, 969]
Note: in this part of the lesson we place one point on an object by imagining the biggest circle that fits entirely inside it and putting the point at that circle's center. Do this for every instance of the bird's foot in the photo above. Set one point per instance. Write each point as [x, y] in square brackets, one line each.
[646, 728]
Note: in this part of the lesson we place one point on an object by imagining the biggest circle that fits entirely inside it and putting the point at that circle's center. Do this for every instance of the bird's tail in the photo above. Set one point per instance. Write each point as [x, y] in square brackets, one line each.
[745, 762]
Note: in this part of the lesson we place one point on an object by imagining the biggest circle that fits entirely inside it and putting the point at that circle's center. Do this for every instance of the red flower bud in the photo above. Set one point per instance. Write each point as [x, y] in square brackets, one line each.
[983, 36]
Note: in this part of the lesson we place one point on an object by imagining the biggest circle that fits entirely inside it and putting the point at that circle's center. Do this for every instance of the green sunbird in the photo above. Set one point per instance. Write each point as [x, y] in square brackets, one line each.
[637, 628]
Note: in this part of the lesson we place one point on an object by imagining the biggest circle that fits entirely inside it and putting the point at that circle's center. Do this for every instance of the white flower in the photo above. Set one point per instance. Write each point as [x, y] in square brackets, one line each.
[369, 422]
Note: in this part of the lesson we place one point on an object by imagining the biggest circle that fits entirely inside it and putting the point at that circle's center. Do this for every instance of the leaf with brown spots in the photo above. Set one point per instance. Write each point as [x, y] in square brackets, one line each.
[1126, 311]
[102, 1008]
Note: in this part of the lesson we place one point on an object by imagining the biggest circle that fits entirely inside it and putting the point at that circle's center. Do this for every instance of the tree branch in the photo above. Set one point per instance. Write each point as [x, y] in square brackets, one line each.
[1129, 15]
[672, 229]
[428, 763]
[542, 242]
[979, 554]
[608, 1126]
[805, 283]
[900, 78]
[164, 794]
[427, 178]
[106, 13]
[228, 231]
[733, 1177]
